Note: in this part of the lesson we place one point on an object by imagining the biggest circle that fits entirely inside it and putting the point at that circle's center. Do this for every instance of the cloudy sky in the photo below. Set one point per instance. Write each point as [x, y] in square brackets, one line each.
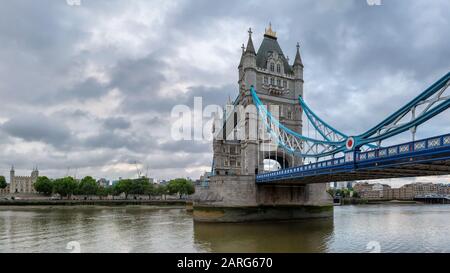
[89, 89]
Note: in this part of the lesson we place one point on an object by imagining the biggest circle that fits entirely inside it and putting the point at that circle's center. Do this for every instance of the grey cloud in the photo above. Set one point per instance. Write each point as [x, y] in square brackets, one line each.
[37, 127]
[116, 123]
[88, 89]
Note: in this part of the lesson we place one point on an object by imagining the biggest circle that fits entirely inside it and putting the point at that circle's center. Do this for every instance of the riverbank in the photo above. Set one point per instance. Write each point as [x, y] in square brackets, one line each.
[40, 202]
[359, 201]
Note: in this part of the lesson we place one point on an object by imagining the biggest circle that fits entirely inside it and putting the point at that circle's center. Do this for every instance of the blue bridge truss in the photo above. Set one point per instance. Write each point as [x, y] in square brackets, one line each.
[362, 157]
[427, 157]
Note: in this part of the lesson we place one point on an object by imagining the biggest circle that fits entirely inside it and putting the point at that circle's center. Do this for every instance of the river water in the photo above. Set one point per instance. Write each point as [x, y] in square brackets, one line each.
[384, 228]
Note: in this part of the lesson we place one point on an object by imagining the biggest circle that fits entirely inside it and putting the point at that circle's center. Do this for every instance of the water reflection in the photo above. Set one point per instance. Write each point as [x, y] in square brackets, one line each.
[396, 228]
[302, 236]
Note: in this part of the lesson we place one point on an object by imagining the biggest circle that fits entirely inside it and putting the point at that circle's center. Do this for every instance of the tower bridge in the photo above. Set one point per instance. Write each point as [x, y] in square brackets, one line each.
[242, 188]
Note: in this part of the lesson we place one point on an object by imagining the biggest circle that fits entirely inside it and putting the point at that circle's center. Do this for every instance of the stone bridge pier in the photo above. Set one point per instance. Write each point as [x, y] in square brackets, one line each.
[239, 199]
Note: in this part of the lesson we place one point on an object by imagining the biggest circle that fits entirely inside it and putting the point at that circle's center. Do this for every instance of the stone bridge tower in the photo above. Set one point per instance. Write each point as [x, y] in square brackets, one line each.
[278, 85]
[232, 194]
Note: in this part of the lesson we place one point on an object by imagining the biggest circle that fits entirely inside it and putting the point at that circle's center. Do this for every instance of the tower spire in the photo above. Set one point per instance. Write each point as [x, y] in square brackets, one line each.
[250, 47]
[270, 32]
[298, 59]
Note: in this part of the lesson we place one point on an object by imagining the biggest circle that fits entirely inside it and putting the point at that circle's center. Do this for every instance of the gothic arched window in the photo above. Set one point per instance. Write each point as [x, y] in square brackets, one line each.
[272, 67]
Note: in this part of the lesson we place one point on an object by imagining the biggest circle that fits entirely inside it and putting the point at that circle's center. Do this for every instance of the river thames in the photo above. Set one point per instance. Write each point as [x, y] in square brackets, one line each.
[385, 228]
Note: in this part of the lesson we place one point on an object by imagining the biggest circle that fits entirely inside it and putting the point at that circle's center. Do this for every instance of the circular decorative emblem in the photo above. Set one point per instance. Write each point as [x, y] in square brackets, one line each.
[350, 143]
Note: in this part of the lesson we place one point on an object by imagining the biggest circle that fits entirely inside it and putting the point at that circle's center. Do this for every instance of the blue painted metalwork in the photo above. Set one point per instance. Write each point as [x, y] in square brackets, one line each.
[262, 109]
[314, 118]
[435, 89]
[421, 151]
[295, 143]
[322, 127]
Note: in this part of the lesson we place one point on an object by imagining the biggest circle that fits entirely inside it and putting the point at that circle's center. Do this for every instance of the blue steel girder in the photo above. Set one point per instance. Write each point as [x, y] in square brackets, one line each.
[292, 141]
[325, 130]
[424, 157]
[427, 105]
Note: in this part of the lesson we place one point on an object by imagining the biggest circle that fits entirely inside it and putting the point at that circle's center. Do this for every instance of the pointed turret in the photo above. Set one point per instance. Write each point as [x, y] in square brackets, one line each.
[241, 62]
[298, 59]
[250, 48]
[247, 71]
[298, 64]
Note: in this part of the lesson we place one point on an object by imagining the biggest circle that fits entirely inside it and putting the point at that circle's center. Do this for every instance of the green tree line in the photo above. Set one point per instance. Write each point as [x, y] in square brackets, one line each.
[68, 186]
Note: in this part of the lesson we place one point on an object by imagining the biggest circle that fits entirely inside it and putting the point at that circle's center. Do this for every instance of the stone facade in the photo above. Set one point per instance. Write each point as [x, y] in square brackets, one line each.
[240, 149]
[23, 184]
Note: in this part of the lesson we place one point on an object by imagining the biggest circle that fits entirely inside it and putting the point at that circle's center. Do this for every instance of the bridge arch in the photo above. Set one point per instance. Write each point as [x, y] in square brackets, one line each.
[276, 161]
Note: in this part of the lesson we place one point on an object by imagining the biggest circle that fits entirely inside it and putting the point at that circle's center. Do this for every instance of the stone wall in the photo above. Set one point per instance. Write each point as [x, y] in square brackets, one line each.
[227, 191]
[238, 191]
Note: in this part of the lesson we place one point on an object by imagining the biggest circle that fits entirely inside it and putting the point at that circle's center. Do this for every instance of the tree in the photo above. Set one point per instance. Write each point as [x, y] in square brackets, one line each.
[150, 190]
[181, 186]
[104, 191]
[88, 186]
[44, 185]
[3, 182]
[123, 186]
[139, 186]
[65, 186]
[161, 190]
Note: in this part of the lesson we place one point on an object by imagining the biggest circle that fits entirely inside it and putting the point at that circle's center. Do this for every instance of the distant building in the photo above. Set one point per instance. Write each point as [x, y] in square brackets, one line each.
[163, 182]
[406, 192]
[372, 191]
[102, 182]
[203, 181]
[23, 184]
[340, 185]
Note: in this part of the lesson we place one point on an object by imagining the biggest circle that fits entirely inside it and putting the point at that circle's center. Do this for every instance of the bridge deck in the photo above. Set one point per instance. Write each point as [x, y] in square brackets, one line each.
[427, 157]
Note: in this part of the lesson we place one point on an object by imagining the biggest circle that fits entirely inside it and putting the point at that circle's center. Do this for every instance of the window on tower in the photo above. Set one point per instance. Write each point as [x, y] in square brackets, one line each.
[272, 67]
[278, 68]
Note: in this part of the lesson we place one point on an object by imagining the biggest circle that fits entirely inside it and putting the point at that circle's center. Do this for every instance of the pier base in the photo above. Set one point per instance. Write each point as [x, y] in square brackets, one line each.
[260, 213]
[239, 199]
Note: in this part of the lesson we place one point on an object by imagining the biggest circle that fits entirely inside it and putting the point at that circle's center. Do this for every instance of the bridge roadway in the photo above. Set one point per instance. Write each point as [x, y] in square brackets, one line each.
[426, 157]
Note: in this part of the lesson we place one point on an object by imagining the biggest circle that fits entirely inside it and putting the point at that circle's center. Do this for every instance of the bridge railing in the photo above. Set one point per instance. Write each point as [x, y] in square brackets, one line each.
[343, 162]
[405, 148]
